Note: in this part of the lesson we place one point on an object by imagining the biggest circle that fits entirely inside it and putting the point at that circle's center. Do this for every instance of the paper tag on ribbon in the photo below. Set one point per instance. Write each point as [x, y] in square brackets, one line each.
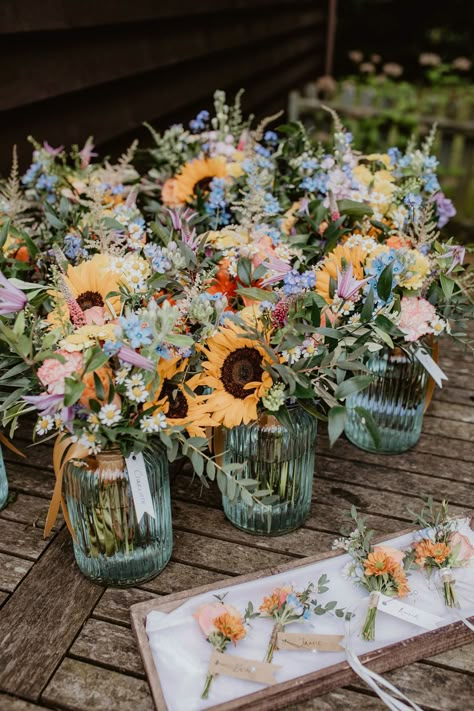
[319, 642]
[433, 368]
[140, 487]
[241, 668]
[395, 608]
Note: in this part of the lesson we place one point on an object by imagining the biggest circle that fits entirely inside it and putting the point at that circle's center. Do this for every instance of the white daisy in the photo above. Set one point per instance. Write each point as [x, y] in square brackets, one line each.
[93, 421]
[88, 440]
[136, 393]
[109, 414]
[44, 424]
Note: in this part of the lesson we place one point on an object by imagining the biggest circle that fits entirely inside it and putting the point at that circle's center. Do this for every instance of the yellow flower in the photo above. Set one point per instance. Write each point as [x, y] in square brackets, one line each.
[87, 336]
[290, 218]
[234, 371]
[228, 237]
[418, 269]
[382, 157]
[336, 260]
[198, 172]
[178, 405]
[362, 174]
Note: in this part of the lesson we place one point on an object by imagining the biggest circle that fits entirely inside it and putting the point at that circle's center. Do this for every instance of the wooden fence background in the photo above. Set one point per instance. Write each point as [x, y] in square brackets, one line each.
[71, 69]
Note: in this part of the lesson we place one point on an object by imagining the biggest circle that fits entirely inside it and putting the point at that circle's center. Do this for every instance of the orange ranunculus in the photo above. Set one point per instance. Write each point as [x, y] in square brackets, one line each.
[230, 626]
[438, 552]
[396, 241]
[105, 375]
[378, 563]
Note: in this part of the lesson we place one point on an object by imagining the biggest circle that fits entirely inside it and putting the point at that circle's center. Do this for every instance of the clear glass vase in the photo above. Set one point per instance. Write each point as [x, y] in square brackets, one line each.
[3, 482]
[395, 399]
[281, 462]
[111, 547]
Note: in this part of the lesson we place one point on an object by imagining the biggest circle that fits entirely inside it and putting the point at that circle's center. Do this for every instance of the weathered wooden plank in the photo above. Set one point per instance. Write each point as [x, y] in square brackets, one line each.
[434, 688]
[114, 605]
[21, 539]
[59, 15]
[41, 620]
[178, 576]
[78, 686]
[29, 479]
[12, 572]
[449, 429]
[411, 462]
[30, 510]
[340, 700]
[10, 703]
[372, 473]
[222, 556]
[200, 520]
[445, 410]
[458, 396]
[109, 645]
[99, 56]
[3, 597]
[461, 659]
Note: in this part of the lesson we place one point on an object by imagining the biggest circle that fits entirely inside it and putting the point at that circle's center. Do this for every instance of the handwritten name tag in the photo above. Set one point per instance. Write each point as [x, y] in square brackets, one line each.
[140, 486]
[433, 368]
[241, 668]
[395, 608]
[318, 642]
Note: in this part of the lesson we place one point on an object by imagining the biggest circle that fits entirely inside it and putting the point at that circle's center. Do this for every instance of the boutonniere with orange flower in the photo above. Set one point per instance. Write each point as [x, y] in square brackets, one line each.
[221, 625]
[378, 568]
[440, 547]
[286, 605]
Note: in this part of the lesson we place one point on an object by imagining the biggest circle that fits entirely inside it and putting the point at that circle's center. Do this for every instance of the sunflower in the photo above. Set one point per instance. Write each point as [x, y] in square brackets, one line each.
[336, 260]
[197, 173]
[234, 370]
[179, 406]
[89, 283]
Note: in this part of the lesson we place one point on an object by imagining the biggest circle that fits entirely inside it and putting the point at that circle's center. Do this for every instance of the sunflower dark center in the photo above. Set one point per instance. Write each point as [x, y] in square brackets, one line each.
[89, 299]
[204, 184]
[178, 405]
[242, 366]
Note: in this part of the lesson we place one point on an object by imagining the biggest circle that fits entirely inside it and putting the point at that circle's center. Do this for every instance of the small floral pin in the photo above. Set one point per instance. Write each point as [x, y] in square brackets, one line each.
[221, 624]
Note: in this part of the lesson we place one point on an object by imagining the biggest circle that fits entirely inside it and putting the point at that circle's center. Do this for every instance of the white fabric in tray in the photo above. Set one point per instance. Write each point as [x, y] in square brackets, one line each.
[181, 653]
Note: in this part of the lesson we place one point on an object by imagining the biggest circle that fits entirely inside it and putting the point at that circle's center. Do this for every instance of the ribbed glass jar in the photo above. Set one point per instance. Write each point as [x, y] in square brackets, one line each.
[280, 461]
[3, 482]
[111, 547]
[395, 399]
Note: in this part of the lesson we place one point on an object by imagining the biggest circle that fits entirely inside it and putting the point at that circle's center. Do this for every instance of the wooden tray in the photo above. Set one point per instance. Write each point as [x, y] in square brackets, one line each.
[310, 685]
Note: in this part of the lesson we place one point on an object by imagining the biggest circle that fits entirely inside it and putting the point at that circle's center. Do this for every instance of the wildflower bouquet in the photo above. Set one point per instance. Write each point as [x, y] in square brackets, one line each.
[380, 569]
[221, 624]
[440, 547]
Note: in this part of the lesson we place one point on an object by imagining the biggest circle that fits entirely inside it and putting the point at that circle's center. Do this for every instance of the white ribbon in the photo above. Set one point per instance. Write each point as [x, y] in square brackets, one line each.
[445, 573]
[390, 695]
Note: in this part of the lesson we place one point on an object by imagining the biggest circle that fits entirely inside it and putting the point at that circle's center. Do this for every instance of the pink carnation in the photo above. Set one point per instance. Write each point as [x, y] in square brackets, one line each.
[466, 550]
[415, 317]
[207, 613]
[53, 372]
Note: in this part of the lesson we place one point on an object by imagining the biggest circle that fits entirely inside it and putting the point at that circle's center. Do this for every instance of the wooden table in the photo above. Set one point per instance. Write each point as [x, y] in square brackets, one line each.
[66, 643]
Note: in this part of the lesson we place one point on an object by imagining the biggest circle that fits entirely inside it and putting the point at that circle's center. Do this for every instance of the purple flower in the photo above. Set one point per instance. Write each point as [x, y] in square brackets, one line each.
[278, 266]
[304, 206]
[52, 151]
[12, 299]
[347, 285]
[444, 208]
[46, 403]
[457, 253]
[87, 153]
[128, 355]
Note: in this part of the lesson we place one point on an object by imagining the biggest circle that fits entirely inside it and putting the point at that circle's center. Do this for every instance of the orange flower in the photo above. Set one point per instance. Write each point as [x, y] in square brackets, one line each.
[223, 282]
[378, 563]
[396, 241]
[438, 552]
[273, 602]
[168, 193]
[400, 578]
[230, 626]
[105, 375]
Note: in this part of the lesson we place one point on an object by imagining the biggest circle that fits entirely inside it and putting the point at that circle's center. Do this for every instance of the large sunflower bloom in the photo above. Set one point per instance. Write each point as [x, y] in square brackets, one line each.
[197, 173]
[90, 283]
[178, 405]
[234, 371]
[338, 260]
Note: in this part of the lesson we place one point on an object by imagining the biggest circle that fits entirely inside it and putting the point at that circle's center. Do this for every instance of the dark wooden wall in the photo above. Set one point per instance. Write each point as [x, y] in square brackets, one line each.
[72, 68]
